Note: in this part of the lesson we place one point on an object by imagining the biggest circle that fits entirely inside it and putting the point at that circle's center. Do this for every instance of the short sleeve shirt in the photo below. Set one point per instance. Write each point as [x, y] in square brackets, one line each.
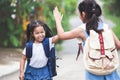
[38, 58]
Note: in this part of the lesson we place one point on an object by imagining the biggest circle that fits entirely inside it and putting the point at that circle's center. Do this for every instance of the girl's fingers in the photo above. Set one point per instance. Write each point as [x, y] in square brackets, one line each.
[57, 14]
[21, 77]
[56, 8]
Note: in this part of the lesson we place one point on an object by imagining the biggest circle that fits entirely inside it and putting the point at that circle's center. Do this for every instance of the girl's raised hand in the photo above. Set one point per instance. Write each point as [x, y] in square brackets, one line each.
[57, 15]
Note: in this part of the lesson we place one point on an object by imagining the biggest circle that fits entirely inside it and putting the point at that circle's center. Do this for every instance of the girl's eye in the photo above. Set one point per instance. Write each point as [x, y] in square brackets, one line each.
[42, 32]
[37, 32]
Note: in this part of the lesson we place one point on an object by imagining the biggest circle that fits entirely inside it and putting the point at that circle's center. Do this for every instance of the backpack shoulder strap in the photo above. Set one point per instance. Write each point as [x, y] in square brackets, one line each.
[46, 46]
[51, 57]
[29, 49]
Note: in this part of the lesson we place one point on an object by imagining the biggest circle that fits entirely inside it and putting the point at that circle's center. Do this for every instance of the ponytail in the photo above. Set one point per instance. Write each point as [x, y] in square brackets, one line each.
[28, 32]
[92, 24]
[48, 31]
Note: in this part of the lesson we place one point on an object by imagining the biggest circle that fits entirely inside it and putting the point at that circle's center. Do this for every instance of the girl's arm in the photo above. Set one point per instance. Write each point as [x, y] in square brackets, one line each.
[22, 65]
[55, 39]
[75, 33]
[117, 42]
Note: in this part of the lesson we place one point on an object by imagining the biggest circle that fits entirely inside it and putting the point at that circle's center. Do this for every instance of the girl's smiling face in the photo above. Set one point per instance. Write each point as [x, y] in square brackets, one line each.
[39, 34]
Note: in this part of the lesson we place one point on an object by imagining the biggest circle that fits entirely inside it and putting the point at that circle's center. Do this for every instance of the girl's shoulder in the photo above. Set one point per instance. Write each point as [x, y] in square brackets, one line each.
[82, 26]
[106, 26]
[48, 40]
[102, 25]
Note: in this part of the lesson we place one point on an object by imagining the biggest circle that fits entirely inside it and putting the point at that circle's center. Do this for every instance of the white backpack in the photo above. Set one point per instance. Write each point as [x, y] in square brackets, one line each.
[100, 54]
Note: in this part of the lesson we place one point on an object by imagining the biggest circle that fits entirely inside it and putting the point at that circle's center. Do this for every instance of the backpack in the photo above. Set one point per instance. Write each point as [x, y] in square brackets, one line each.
[49, 53]
[100, 54]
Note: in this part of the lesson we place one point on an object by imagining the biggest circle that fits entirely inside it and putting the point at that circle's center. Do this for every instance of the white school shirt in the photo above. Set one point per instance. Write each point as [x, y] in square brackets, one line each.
[38, 59]
[82, 26]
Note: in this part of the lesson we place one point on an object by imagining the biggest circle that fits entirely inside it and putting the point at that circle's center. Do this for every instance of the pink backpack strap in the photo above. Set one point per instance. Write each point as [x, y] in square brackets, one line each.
[101, 44]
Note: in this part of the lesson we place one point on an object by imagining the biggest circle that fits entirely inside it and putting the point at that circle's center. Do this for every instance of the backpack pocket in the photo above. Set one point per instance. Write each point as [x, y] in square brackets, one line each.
[101, 64]
[101, 60]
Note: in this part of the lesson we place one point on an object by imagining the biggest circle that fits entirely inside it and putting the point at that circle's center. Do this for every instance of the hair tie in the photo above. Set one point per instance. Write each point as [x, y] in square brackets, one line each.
[94, 7]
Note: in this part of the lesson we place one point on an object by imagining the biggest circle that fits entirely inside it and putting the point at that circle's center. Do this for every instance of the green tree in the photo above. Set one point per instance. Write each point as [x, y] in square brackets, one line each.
[112, 11]
[11, 13]
[9, 30]
[15, 13]
[113, 6]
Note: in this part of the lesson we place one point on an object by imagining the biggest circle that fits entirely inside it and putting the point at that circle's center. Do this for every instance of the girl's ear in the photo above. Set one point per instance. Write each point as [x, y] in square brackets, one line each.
[83, 14]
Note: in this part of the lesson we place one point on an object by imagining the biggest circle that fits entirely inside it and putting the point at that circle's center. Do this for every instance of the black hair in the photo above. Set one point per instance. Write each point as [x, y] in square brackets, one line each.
[33, 25]
[92, 11]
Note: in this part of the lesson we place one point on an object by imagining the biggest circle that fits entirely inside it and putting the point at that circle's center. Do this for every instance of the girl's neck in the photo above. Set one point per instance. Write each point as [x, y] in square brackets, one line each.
[37, 42]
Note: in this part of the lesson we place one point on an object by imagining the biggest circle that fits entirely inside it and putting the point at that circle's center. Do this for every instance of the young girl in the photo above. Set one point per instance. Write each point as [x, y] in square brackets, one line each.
[90, 12]
[37, 69]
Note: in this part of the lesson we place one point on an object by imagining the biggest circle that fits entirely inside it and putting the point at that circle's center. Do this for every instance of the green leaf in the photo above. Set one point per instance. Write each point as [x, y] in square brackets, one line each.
[10, 24]
[14, 40]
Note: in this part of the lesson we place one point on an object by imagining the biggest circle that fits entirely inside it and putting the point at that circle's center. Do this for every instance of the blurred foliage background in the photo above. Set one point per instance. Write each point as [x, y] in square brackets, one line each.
[112, 12]
[16, 14]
